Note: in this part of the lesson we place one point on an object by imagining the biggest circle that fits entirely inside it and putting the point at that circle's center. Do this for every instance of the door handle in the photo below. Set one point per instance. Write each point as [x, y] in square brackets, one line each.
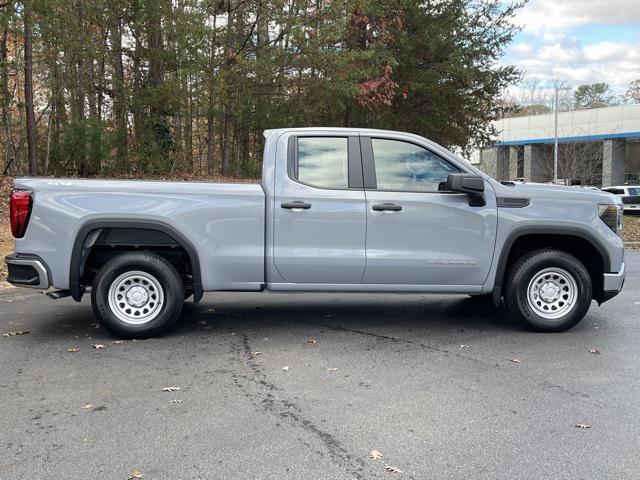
[386, 207]
[296, 204]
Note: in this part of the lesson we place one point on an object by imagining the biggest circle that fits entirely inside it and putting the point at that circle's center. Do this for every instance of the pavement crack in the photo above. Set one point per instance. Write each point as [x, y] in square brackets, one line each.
[449, 353]
[433, 348]
[272, 399]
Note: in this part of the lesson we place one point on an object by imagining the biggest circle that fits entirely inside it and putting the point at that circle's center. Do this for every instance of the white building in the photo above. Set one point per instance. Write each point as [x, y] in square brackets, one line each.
[601, 146]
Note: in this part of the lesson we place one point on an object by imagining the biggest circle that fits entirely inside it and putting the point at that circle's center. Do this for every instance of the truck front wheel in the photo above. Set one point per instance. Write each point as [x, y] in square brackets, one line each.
[550, 290]
[137, 295]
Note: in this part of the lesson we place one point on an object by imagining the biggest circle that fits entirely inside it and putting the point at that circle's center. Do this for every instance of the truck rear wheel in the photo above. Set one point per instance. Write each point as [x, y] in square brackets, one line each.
[137, 295]
[550, 290]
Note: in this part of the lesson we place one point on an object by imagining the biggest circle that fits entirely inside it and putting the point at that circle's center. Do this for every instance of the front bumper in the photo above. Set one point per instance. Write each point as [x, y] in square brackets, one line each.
[613, 282]
[27, 271]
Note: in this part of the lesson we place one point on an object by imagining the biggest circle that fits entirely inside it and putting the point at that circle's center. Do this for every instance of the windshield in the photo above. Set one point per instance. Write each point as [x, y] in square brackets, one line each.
[634, 191]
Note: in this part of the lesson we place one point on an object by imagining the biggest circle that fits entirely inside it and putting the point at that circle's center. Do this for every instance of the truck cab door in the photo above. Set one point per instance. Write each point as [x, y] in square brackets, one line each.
[418, 234]
[319, 209]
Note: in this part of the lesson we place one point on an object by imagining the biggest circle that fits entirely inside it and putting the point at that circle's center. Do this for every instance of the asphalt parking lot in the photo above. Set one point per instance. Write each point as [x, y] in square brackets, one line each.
[441, 387]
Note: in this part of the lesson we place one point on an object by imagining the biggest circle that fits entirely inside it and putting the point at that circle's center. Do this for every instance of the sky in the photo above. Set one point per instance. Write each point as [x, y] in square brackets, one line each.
[579, 41]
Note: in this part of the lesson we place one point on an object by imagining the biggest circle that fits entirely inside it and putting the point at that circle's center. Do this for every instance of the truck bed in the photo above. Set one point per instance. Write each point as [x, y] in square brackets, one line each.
[223, 222]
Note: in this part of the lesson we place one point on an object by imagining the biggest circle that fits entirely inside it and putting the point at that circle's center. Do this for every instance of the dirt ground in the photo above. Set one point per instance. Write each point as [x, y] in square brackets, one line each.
[6, 240]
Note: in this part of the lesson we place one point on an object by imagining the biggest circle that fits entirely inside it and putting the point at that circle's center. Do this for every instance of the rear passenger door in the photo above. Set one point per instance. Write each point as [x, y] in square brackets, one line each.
[319, 211]
[418, 234]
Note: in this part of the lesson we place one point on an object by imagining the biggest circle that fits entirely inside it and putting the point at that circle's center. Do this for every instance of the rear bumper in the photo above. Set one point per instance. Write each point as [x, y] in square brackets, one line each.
[613, 283]
[27, 271]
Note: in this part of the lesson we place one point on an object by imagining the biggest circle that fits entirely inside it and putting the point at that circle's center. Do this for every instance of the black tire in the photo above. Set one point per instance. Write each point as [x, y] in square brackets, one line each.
[155, 270]
[568, 281]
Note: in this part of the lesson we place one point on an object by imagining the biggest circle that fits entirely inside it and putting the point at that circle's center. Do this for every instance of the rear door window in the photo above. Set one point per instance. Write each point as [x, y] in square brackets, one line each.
[323, 162]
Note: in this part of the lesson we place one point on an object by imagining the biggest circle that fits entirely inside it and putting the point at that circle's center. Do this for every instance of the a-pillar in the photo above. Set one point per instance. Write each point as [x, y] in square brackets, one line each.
[613, 162]
[534, 162]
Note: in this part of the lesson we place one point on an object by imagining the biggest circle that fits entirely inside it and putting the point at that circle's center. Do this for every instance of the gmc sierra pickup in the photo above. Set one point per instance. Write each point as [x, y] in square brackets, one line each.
[338, 210]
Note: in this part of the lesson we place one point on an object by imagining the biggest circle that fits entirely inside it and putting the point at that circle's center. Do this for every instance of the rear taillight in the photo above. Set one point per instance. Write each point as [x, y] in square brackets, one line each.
[19, 211]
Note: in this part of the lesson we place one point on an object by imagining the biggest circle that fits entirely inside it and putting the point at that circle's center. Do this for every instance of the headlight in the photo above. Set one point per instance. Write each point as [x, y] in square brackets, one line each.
[611, 214]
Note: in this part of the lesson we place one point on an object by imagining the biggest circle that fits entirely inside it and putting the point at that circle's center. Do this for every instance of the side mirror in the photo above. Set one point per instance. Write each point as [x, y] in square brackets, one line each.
[471, 184]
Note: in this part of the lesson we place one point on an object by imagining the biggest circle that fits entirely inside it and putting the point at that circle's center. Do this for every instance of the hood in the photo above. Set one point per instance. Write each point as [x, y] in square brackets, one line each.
[559, 192]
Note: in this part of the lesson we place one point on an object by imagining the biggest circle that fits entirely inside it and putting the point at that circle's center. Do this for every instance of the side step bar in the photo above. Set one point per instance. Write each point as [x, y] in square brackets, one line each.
[58, 294]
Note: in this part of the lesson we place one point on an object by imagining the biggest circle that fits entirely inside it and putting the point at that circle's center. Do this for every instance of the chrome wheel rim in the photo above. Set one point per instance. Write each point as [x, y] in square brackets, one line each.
[136, 297]
[552, 293]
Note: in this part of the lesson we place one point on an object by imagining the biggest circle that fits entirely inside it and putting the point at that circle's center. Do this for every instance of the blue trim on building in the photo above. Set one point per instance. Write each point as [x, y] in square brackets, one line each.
[584, 138]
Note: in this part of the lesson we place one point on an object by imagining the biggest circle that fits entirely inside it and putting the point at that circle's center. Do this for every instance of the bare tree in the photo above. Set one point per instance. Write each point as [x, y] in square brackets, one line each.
[579, 163]
[633, 92]
[535, 97]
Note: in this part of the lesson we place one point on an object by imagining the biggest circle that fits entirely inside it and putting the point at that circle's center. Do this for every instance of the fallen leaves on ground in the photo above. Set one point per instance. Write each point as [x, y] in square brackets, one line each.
[87, 406]
[73, 350]
[375, 454]
[631, 230]
[583, 426]
[175, 401]
[465, 346]
[392, 469]
[15, 334]
[595, 351]
[516, 360]
[286, 369]
[118, 342]
[311, 342]
[98, 346]
[255, 354]
[171, 389]
[332, 369]
[135, 474]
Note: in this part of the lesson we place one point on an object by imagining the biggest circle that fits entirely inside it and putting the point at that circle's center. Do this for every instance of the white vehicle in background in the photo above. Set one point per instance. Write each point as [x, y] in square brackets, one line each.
[630, 195]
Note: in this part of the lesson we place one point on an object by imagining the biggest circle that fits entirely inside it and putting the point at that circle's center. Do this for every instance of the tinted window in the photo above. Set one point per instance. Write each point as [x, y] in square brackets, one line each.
[634, 191]
[323, 162]
[405, 166]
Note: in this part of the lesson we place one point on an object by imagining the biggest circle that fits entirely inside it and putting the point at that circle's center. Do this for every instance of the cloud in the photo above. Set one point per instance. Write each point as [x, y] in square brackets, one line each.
[521, 49]
[551, 19]
[616, 63]
[579, 41]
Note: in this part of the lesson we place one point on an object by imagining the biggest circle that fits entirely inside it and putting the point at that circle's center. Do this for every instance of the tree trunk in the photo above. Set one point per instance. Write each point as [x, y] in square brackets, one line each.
[156, 76]
[119, 102]
[188, 130]
[225, 93]
[28, 89]
[211, 132]
[5, 102]
[90, 87]
[226, 142]
[211, 126]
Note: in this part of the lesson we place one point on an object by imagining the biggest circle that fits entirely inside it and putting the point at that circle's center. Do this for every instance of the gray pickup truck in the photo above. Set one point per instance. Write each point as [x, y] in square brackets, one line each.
[338, 210]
